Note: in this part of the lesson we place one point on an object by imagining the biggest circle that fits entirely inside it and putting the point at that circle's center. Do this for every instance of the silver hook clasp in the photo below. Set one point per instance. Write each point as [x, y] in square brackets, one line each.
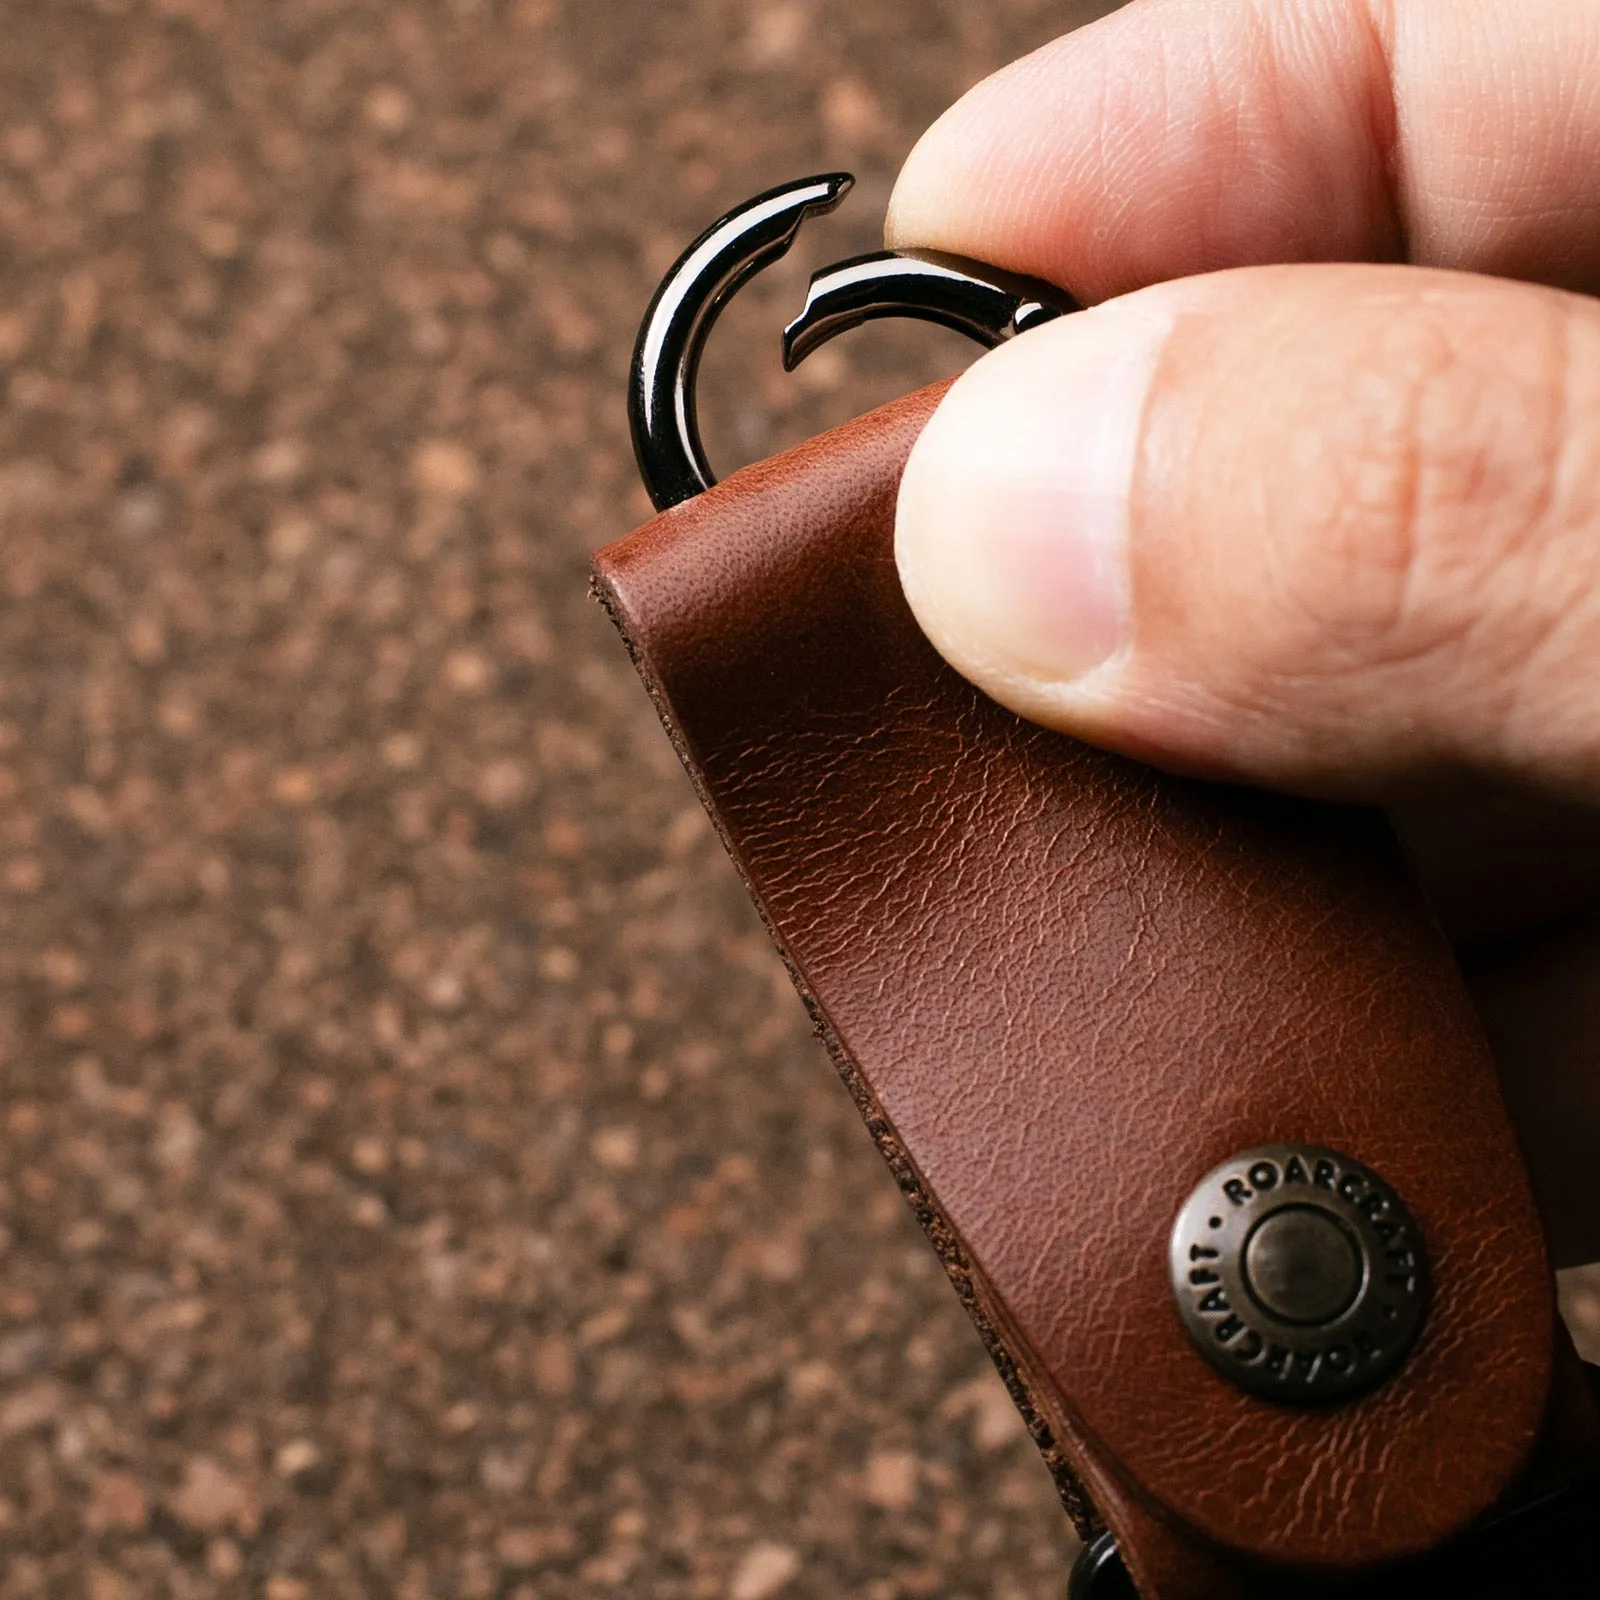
[983, 302]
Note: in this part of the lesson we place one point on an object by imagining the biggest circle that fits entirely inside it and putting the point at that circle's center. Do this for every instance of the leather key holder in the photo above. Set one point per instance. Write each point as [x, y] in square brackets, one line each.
[1180, 1079]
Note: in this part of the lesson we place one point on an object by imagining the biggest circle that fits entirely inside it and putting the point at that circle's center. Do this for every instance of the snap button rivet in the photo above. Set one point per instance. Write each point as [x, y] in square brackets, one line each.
[1299, 1273]
[1302, 1266]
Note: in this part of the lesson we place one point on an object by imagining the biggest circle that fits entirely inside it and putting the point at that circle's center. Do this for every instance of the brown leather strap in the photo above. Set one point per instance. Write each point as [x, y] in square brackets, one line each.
[1063, 987]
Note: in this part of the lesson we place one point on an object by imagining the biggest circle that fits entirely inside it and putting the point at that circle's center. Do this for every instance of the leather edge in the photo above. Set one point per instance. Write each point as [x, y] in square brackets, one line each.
[1075, 1500]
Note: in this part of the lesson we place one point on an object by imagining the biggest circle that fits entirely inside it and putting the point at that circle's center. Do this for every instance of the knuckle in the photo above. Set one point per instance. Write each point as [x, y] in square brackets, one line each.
[1438, 472]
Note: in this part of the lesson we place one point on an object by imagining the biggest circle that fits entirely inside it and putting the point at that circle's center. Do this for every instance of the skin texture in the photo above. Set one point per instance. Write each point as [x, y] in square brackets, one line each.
[1311, 498]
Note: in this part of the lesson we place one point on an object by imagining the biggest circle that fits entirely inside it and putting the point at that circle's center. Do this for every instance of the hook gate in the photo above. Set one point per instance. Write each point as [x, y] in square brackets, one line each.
[983, 302]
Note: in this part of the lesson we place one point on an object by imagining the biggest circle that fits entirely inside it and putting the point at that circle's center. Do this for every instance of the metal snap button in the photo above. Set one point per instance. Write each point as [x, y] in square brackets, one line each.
[1299, 1274]
[1300, 1265]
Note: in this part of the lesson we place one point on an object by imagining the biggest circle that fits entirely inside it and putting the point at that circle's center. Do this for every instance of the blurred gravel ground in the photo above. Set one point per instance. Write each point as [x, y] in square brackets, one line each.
[416, 1176]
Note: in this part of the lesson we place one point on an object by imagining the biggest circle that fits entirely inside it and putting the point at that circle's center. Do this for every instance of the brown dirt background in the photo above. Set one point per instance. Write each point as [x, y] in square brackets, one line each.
[416, 1175]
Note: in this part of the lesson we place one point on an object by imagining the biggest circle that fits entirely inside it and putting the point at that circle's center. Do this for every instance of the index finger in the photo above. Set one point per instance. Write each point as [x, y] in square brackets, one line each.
[1183, 136]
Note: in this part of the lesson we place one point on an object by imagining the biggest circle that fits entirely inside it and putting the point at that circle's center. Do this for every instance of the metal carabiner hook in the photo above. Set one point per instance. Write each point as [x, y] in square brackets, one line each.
[980, 301]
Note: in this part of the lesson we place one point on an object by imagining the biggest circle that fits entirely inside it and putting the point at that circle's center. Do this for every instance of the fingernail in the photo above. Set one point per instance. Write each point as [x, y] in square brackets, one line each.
[1012, 530]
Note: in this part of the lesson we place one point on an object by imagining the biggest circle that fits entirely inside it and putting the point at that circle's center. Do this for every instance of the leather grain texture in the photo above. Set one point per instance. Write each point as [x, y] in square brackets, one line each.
[1063, 987]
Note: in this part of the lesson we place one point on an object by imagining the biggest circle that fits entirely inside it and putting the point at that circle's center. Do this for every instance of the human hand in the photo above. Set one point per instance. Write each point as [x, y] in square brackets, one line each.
[1311, 497]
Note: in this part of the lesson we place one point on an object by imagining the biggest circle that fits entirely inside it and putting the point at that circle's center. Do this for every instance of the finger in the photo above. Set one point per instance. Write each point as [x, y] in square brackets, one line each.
[1540, 1002]
[1183, 136]
[1515, 882]
[1332, 529]
[1499, 861]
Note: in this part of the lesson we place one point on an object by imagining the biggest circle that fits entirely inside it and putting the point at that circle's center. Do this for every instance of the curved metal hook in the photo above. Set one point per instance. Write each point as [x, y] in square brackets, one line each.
[980, 301]
[666, 360]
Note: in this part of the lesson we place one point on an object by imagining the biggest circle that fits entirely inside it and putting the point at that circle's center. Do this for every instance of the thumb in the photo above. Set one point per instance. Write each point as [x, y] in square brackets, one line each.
[1329, 528]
